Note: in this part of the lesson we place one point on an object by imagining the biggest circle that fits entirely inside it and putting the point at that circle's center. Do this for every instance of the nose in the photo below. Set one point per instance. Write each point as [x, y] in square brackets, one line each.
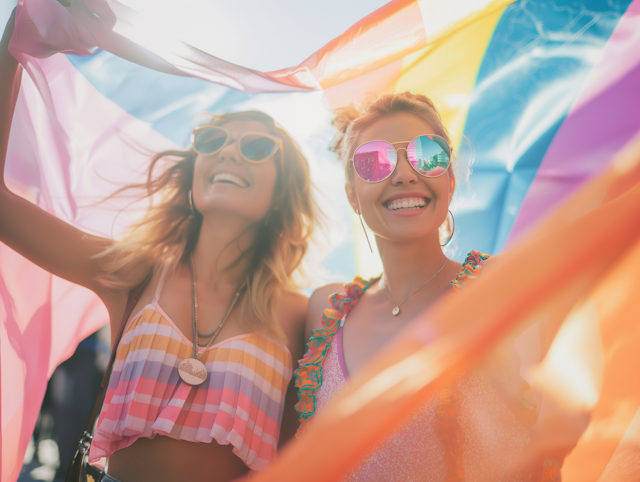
[404, 174]
[230, 152]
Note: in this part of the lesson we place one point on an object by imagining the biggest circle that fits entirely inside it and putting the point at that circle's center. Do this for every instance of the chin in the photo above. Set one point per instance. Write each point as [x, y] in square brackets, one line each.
[233, 210]
[410, 235]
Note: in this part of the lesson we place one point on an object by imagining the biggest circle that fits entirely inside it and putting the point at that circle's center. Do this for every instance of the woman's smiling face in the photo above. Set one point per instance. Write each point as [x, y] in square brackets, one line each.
[406, 206]
[225, 181]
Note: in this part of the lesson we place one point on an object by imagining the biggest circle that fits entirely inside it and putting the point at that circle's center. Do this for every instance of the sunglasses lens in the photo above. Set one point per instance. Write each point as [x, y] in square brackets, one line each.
[209, 140]
[374, 161]
[257, 148]
[429, 155]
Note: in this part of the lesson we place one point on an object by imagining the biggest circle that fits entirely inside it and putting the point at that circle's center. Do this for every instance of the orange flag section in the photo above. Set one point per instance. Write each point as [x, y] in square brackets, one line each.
[613, 434]
[575, 276]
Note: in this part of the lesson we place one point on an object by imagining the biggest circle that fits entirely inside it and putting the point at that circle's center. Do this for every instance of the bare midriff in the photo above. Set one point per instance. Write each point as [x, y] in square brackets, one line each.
[163, 459]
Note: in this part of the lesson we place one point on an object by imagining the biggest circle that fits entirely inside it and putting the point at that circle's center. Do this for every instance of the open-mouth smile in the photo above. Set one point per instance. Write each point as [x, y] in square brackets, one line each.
[228, 178]
[407, 203]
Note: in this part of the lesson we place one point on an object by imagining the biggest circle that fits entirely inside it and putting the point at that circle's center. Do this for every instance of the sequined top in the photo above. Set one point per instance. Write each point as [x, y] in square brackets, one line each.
[492, 434]
[240, 403]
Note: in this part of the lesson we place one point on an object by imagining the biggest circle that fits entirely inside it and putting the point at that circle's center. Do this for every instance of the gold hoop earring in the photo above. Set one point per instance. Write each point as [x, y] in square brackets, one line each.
[452, 225]
[192, 204]
[365, 231]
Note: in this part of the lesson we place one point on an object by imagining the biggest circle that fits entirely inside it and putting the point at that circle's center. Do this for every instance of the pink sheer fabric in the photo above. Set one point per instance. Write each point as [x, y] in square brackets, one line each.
[413, 451]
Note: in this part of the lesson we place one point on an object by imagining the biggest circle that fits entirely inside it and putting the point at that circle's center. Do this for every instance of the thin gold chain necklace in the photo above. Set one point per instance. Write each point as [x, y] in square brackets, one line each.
[396, 310]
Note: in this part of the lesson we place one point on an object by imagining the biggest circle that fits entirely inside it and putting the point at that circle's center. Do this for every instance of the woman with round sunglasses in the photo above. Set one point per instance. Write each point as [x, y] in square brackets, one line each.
[197, 389]
[399, 179]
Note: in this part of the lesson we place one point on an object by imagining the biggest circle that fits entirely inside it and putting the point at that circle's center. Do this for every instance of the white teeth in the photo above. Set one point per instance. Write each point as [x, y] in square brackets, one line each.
[407, 203]
[230, 178]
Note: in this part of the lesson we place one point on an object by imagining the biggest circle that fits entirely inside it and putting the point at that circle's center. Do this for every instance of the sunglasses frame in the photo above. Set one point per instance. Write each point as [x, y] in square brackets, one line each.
[279, 144]
[392, 144]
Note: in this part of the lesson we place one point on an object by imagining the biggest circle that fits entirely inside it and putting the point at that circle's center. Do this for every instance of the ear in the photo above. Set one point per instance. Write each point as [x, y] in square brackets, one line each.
[452, 187]
[351, 196]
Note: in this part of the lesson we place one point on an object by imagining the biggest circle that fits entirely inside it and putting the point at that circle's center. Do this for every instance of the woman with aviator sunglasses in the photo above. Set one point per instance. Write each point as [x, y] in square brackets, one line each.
[399, 179]
[197, 389]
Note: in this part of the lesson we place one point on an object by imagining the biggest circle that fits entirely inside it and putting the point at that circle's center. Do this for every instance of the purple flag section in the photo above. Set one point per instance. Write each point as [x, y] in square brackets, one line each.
[605, 116]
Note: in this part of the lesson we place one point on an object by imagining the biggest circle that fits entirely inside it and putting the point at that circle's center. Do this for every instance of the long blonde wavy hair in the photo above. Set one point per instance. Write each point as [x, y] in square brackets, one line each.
[169, 230]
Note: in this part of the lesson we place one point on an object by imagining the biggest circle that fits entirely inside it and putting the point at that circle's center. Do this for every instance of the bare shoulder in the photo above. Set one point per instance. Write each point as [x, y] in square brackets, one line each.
[291, 315]
[318, 302]
[489, 263]
[293, 307]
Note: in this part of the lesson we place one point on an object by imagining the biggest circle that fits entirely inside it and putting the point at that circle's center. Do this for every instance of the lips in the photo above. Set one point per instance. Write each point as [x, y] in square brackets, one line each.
[229, 178]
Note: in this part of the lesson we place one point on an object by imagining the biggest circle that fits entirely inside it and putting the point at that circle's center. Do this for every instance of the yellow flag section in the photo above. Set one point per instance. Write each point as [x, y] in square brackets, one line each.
[575, 278]
[429, 47]
[446, 69]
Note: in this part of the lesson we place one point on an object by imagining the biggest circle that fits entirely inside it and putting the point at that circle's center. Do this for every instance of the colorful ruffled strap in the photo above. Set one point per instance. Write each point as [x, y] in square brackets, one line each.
[308, 377]
[469, 269]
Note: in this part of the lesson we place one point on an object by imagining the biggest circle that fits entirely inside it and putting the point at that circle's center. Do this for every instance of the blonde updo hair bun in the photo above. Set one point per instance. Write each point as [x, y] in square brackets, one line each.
[342, 119]
[350, 121]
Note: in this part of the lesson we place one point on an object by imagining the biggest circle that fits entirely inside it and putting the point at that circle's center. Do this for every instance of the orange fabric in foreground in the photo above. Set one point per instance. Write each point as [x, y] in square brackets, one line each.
[567, 267]
[616, 299]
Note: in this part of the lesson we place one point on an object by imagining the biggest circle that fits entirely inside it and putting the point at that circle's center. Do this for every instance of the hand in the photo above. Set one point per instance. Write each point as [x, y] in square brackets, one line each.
[8, 30]
[8, 64]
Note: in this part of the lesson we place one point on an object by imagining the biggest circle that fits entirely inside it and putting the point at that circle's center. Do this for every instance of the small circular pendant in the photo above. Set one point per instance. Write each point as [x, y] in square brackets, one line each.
[192, 371]
[395, 311]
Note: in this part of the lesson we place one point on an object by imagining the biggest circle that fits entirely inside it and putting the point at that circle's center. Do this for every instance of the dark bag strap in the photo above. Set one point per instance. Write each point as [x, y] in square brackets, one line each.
[134, 297]
[75, 473]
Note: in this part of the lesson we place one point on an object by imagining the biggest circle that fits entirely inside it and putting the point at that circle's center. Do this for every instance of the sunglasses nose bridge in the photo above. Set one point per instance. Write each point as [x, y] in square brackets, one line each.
[399, 158]
[403, 171]
[230, 150]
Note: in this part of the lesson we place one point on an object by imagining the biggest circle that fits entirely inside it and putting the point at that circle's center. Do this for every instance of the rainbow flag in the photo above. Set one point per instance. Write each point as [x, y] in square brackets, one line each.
[538, 97]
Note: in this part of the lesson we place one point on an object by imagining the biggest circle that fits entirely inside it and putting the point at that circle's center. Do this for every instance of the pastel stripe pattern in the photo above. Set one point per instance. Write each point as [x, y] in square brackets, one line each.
[240, 403]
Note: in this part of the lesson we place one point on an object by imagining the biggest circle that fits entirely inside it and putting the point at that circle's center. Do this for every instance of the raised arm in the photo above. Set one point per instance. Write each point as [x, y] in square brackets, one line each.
[37, 235]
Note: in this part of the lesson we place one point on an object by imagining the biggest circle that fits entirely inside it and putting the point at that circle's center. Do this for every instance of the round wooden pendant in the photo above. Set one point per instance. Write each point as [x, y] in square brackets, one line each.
[395, 311]
[192, 371]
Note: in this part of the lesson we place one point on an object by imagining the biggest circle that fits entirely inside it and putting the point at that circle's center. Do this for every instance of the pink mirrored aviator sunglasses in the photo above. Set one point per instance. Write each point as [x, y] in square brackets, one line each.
[375, 161]
[254, 147]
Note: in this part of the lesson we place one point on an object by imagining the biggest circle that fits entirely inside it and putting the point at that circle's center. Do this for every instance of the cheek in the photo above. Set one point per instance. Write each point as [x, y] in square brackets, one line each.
[200, 169]
[367, 193]
[443, 190]
[265, 183]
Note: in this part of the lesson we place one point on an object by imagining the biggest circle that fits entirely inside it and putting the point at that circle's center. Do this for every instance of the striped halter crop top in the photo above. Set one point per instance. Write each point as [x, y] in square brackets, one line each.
[240, 403]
